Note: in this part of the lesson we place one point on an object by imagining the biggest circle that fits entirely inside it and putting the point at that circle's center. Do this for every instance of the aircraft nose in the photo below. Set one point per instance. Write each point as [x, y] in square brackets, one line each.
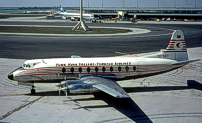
[10, 76]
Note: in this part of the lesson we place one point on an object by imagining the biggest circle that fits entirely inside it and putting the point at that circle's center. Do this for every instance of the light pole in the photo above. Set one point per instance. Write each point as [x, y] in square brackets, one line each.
[102, 3]
[175, 3]
[137, 3]
[186, 4]
[81, 23]
[123, 3]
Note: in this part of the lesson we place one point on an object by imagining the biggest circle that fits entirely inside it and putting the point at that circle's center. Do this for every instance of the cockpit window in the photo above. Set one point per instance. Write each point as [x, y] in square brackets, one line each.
[30, 65]
[26, 65]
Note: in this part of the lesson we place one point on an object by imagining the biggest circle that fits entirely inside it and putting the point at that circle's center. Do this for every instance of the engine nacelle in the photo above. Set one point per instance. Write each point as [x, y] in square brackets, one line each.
[64, 18]
[70, 82]
[72, 18]
[82, 88]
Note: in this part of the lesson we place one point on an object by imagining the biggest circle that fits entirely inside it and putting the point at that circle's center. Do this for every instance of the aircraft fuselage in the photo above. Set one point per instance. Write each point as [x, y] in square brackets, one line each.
[56, 70]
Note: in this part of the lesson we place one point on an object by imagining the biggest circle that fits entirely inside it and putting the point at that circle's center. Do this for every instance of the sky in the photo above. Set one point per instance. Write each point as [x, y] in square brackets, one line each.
[98, 3]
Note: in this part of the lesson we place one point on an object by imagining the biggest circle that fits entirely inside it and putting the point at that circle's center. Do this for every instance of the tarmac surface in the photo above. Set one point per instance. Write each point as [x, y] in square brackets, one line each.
[55, 46]
[172, 97]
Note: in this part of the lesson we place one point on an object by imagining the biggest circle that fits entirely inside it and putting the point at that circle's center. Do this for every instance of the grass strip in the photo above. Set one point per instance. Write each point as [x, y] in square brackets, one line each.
[60, 30]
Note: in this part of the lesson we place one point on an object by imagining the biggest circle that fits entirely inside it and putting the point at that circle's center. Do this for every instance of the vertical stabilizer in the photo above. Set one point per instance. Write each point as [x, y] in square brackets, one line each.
[177, 47]
[61, 9]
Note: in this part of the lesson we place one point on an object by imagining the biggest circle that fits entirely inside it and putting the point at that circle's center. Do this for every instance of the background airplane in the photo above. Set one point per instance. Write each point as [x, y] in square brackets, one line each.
[92, 75]
[74, 16]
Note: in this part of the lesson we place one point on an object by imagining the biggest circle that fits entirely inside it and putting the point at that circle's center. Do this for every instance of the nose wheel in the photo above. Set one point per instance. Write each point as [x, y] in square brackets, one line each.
[33, 91]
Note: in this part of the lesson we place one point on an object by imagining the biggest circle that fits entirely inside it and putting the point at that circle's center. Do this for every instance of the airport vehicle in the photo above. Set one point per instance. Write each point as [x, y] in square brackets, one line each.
[92, 75]
[74, 16]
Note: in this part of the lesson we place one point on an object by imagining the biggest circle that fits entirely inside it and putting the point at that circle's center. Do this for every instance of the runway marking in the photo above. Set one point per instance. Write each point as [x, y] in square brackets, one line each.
[189, 67]
[19, 108]
[11, 95]
[125, 54]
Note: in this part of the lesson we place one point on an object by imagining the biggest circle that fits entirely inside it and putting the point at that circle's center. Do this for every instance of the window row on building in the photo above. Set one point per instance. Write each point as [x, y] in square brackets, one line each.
[148, 11]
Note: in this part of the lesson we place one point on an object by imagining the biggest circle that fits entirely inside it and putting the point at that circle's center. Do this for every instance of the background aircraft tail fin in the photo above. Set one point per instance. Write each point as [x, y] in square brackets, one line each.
[61, 9]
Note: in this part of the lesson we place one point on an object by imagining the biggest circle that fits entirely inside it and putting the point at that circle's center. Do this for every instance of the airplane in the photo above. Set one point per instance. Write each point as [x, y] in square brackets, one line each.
[94, 75]
[74, 16]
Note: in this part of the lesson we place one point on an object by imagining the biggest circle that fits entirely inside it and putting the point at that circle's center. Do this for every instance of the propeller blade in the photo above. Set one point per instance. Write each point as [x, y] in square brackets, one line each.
[65, 90]
[58, 85]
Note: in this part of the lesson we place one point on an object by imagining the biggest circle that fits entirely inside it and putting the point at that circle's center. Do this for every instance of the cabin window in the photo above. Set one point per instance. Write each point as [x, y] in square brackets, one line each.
[127, 68]
[80, 69]
[63, 70]
[134, 68]
[111, 68]
[119, 69]
[103, 69]
[88, 69]
[96, 69]
[72, 69]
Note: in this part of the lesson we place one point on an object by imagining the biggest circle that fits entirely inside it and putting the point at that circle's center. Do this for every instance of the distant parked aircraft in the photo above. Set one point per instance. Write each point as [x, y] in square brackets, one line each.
[74, 16]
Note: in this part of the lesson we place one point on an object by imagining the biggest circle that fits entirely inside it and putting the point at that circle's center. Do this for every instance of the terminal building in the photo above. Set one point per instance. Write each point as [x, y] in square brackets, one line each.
[145, 13]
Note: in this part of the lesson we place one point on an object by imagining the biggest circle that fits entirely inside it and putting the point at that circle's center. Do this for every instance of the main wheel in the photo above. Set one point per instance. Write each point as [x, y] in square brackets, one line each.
[33, 91]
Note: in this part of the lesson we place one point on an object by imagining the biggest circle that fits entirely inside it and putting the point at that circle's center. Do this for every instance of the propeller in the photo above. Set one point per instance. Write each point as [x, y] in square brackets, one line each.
[65, 90]
[125, 54]
[59, 86]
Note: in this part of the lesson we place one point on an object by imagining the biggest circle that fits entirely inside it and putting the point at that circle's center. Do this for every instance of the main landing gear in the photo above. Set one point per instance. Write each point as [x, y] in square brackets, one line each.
[33, 91]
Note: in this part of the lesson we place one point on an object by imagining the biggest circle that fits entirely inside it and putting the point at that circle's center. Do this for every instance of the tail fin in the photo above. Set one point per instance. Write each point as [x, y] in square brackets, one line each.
[177, 47]
[61, 9]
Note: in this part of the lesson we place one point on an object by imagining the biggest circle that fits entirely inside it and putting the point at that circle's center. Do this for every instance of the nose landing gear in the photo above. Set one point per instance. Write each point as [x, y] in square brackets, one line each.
[33, 91]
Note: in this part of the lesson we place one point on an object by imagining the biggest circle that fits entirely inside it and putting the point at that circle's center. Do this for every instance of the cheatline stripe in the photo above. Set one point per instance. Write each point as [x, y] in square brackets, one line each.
[183, 48]
[177, 40]
[173, 46]
[171, 43]
[174, 51]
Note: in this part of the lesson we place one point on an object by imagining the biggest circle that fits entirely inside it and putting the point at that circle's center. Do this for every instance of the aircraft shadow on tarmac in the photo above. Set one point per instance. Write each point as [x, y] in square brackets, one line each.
[126, 106]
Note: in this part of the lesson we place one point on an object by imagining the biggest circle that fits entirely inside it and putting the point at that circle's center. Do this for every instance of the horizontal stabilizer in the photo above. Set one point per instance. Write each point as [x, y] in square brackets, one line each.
[185, 62]
[75, 56]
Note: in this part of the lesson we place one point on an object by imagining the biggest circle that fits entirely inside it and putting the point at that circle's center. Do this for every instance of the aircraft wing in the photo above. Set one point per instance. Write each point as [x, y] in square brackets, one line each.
[108, 86]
